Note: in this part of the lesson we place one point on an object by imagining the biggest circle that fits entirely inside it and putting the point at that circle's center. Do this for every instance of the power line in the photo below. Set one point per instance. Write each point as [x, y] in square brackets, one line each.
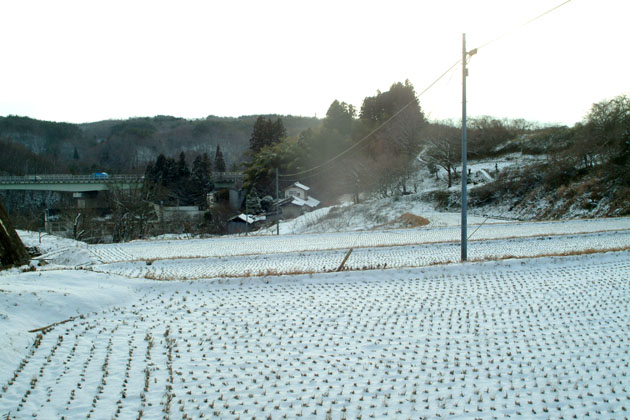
[506, 34]
[367, 137]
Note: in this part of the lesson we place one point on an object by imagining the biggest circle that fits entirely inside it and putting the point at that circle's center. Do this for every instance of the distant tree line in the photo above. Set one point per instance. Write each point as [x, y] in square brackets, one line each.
[126, 146]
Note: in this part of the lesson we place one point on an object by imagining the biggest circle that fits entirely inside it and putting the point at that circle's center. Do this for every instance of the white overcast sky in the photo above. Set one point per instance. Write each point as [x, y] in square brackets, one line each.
[81, 61]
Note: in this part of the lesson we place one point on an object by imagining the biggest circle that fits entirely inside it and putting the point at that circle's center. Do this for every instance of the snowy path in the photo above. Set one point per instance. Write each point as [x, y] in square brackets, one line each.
[266, 263]
[533, 339]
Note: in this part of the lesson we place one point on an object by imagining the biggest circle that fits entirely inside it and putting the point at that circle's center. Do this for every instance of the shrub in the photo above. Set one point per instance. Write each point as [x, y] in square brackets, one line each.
[442, 199]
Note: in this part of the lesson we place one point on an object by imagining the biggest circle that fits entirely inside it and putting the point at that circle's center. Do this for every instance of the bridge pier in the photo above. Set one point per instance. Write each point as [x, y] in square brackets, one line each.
[87, 200]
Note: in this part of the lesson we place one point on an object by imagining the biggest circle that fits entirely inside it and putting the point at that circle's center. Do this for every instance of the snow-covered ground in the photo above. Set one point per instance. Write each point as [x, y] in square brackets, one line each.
[544, 337]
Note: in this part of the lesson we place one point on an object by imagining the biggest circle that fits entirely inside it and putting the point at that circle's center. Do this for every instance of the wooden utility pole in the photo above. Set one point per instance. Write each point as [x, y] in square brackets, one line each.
[12, 250]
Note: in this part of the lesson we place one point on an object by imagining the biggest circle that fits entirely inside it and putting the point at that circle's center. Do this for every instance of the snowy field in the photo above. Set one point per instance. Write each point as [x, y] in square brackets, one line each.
[545, 337]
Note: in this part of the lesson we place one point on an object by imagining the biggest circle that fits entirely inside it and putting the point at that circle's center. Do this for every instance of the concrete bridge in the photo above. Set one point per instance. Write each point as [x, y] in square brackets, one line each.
[87, 183]
[68, 183]
[223, 180]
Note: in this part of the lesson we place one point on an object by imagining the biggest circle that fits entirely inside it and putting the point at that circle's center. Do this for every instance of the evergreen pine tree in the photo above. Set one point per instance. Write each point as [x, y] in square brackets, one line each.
[207, 163]
[170, 172]
[149, 173]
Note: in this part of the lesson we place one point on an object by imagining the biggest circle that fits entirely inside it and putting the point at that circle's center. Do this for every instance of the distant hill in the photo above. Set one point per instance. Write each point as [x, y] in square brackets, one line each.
[128, 145]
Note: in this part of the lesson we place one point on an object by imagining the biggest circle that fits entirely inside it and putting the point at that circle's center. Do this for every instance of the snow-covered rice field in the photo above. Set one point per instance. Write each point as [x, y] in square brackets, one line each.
[240, 245]
[544, 338]
[266, 263]
[290, 254]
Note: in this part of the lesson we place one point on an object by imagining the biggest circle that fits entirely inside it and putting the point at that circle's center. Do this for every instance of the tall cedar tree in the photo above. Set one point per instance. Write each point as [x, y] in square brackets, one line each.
[201, 179]
[182, 183]
[397, 119]
[219, 162]
[259, 135]
[163, 172]
[183, 173]
[266, 133]
[278, 132]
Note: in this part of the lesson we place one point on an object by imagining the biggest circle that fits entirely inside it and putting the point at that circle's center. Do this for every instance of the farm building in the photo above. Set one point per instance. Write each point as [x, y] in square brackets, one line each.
[245, 222]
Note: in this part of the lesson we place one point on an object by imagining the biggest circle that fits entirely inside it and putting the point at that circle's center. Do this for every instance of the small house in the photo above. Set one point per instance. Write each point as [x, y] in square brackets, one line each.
[297, 201]
[297, 190]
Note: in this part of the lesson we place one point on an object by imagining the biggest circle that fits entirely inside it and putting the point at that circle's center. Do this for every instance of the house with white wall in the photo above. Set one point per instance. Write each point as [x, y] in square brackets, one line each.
[297, 190]
[297, 201]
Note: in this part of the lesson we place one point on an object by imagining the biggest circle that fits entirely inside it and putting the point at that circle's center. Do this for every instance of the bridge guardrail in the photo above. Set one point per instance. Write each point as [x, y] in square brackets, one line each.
[227, 176]
[67, 178]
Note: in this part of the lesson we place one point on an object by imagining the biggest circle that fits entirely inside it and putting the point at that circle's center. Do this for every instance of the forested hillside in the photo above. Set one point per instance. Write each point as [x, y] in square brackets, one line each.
[119, 146]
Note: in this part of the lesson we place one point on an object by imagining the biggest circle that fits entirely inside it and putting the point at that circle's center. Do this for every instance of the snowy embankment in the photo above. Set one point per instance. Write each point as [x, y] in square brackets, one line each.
[522, 338]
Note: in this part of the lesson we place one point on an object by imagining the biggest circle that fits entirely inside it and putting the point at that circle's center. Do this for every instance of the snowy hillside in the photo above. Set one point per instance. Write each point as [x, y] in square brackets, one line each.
[374, 212]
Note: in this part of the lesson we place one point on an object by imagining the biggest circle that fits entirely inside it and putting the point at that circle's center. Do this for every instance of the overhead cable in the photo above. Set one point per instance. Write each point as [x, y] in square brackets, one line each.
[367, 137]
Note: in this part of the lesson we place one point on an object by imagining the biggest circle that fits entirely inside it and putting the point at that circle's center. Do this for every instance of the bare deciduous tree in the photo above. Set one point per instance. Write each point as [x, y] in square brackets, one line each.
[442, 148]
[132, 211]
